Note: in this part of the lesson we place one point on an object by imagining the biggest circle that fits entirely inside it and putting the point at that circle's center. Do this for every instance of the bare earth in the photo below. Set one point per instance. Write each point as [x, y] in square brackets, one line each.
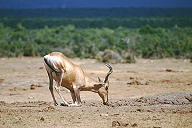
[150, 93]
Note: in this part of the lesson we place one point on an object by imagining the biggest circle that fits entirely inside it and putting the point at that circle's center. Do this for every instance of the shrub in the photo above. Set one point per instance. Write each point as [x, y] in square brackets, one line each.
[109, 56]
[104, 44]
[30, 50]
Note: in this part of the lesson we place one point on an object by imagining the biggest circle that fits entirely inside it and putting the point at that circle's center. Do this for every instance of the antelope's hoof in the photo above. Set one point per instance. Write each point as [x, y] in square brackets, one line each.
[55, 104]
[64, 104]
[105, 103]
[75, 105]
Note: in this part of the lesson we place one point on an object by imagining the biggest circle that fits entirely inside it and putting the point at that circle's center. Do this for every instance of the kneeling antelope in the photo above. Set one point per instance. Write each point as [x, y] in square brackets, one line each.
[72, 77]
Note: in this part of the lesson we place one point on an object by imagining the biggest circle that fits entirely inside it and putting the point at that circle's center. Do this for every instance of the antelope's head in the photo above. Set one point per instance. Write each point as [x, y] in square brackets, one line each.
[104, 85]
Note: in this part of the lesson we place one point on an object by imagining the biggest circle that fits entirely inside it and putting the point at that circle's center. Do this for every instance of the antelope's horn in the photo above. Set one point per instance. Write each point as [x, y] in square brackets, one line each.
[109, 73]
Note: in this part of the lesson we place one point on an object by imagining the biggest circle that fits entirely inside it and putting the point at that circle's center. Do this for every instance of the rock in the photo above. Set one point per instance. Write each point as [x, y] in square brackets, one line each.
[42, 119]
[109, 56]
[1, 80]
[49, 108]
[18, 118]
[137, 81]
[169, 70]
[116, 123]
[40, 67]
[189, 98]
[134, 125]
[119, 123]
[102, 114]
[2, 103]
[30, 97]
[116, 114]
[32, 87]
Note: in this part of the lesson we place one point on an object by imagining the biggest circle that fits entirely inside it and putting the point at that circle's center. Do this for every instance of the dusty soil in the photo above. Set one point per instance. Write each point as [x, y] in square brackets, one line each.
[150, 93]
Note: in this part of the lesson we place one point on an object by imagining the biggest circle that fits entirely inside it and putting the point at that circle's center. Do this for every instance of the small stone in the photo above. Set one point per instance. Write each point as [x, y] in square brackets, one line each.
[134, 125]
[104, 114]
[139, 110]
[116, 123]
[40, 67]
[30, 97]
[42, 118]
[169, 70]
[1, 80]
[32, 87]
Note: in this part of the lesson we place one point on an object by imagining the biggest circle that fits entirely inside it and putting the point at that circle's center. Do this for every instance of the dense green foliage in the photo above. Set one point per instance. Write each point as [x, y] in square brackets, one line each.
[160, 43]
[146, 41]
[103, 38]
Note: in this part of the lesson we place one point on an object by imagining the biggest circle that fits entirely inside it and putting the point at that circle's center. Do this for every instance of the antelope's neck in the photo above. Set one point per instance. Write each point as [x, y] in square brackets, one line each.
[89, 86]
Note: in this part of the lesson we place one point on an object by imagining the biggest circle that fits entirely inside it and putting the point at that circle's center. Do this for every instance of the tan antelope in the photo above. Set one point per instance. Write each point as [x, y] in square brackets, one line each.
[72, 77]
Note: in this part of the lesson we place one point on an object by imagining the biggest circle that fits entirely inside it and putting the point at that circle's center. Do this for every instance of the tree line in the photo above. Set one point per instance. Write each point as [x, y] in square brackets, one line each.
[97, 22]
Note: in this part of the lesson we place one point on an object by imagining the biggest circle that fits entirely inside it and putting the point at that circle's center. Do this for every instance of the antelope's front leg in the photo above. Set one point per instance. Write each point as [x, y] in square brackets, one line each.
[73, 96]
[76, 96]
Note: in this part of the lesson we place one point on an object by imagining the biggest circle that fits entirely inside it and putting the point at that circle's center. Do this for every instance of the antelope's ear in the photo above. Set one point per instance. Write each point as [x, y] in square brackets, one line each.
[99, 79]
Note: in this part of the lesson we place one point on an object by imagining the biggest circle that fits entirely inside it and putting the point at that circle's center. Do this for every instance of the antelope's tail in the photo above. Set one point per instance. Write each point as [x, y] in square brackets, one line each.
[48, 62]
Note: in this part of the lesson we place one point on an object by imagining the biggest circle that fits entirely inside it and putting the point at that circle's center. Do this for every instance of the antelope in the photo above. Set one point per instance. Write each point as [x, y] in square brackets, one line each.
[71, 76]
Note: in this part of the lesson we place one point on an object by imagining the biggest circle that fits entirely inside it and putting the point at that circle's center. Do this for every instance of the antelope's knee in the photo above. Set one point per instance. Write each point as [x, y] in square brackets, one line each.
[50, 87]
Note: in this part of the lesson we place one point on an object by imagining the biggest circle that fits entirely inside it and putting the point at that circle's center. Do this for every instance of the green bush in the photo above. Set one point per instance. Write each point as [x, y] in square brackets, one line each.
[30, 50]
[118, 45]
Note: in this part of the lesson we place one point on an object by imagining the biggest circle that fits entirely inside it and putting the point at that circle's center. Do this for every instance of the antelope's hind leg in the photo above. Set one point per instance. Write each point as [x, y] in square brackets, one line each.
[57, 88]
[51, 88]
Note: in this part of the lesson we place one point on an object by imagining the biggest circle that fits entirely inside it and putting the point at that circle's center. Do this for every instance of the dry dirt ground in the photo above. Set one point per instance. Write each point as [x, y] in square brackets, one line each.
[150, 93]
